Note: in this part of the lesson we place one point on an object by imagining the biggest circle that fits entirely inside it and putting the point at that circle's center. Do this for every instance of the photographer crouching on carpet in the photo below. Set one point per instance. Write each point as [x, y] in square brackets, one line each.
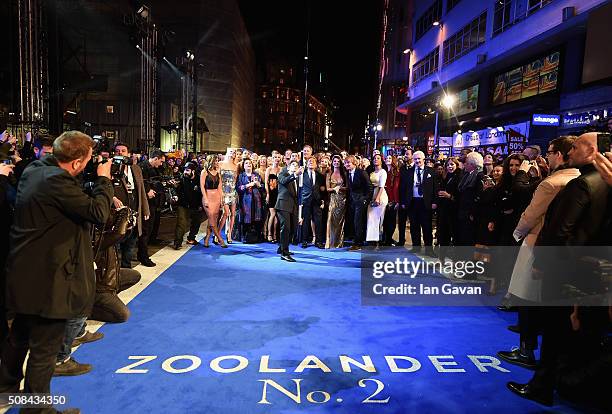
[50, 272]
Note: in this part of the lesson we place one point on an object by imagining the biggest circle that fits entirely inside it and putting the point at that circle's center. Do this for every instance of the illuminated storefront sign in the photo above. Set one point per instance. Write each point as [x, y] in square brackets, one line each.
[584, 118]
[545, 120]
[490, 136]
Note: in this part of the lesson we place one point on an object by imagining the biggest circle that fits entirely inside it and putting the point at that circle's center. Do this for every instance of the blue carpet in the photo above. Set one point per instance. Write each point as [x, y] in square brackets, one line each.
[245, 301]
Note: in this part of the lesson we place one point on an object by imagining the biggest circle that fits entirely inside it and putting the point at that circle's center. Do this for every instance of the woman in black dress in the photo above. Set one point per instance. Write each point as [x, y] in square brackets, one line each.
[447, 196]
[271, 181]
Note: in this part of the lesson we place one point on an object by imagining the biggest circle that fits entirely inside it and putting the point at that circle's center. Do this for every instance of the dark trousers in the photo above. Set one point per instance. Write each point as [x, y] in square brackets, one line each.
[187, 218]
[389, 223]
[108, 307]
[147, 229]
[43, 337]
[420, 221]
[556, 337]
[127, 248]
[311, 211]
[287, 221]
[529, 324]
[359, 210]
[402, 217]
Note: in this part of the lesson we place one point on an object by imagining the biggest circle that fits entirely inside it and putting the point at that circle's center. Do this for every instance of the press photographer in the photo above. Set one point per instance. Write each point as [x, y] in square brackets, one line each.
[189, 213]
[130, 192]
[53, 217]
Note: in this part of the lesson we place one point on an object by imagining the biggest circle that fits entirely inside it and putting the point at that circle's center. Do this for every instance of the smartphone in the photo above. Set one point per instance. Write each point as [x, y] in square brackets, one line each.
[603, 143]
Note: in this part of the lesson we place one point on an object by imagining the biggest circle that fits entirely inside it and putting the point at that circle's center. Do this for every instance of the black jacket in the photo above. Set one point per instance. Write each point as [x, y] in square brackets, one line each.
[469, 191]
[578, 216]
[189, 193]
[360, 187]
[429, 184]
[50, 271]
[287, 192]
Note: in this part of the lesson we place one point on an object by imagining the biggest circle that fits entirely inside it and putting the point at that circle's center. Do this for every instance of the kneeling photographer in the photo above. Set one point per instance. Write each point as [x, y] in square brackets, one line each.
[53, 217]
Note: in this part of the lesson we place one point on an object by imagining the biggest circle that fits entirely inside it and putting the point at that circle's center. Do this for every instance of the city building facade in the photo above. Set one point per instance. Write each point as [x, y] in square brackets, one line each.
[97, 52]
[279, 109]
[396, 45]
[501, 74]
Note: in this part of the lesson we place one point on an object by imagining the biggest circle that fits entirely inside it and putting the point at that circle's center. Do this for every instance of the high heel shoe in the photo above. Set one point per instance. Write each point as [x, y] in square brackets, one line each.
[206, 243]
[224, 246]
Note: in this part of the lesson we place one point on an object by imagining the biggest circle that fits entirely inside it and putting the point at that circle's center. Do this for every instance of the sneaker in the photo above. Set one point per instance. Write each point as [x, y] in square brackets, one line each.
[71, 368]
[87, 337]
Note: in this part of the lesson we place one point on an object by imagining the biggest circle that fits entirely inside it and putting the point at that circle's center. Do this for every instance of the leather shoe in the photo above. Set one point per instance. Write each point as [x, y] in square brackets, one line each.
[320, 246]
[530, 393]
[87, 337]
[71, 368]
[147, 262]
[514, 328]
[354, 248]
[507, 308]
[304, 245]
[399, 244]
[516, 357]
[288, 258]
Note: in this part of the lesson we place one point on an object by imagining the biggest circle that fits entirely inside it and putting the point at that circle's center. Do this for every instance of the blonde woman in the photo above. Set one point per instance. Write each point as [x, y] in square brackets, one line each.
[212, 194]
[271, 181]
[229, 173]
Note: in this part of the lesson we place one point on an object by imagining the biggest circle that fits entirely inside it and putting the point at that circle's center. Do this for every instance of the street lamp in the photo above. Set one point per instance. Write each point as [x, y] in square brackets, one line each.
[377, 129]
[447, 102]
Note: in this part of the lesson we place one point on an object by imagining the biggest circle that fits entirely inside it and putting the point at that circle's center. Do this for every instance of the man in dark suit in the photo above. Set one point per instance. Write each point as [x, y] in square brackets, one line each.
[149, 173]
[360, 193]
[313, 185]
[287, 206]
[418, 192]
[577, 217]
[50, 272]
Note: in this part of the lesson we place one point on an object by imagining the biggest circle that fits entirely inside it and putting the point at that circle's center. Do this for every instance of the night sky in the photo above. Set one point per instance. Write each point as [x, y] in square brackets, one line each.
[344, 46]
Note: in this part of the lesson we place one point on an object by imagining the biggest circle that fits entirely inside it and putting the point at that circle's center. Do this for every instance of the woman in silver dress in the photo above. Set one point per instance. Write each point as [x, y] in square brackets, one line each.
[229, 173]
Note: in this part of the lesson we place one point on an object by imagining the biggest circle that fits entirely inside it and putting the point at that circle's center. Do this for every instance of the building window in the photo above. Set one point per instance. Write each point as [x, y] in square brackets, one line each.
[466, 39]
[510, 12]
[110, 109]
[450, 4]
[425, 22]
[426, 66]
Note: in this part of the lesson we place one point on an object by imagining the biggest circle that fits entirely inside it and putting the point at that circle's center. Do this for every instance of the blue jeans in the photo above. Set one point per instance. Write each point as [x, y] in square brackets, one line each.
[74, 327]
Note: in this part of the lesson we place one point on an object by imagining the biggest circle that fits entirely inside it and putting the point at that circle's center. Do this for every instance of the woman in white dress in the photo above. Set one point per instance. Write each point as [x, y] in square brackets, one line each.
[376, 209]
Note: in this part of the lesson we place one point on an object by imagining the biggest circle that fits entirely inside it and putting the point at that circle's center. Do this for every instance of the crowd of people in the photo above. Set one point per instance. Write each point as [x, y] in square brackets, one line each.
[506, 209]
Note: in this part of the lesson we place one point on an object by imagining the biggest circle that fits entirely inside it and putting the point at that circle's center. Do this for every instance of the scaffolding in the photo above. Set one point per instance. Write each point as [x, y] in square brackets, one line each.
[33, 70]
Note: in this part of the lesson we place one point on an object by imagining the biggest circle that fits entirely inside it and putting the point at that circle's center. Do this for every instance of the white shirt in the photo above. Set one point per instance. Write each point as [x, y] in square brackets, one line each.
[130, 179]
[415, 188]
[352, 174]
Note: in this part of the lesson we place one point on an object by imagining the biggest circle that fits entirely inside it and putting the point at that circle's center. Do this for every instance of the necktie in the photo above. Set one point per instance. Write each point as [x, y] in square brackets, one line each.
[419, 181]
